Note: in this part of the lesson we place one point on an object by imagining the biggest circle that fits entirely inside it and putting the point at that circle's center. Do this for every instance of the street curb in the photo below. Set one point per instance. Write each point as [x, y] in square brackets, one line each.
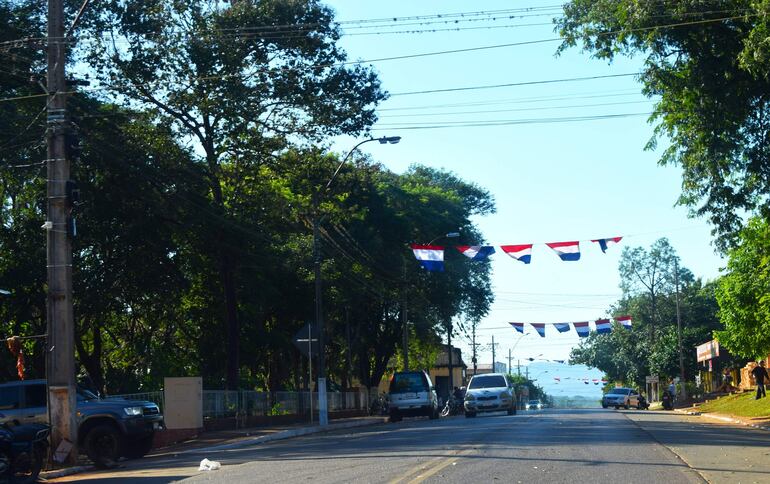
[65, 472]
[283, 435]
[723, 418]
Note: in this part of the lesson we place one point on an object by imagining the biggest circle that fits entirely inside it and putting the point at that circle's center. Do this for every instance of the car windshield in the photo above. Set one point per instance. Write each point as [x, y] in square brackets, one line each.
[84, 394]
[534, 402]
[619, 391]
[407, 383]
[487, 381]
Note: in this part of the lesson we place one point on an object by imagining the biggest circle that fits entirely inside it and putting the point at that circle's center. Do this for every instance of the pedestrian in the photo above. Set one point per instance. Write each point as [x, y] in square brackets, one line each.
[760, 375]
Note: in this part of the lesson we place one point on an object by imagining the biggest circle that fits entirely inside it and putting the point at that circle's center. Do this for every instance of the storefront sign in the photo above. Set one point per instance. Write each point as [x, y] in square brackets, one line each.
[707, 351]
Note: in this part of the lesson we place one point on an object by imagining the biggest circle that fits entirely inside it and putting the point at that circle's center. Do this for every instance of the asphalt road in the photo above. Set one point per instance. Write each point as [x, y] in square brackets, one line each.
[549, 446]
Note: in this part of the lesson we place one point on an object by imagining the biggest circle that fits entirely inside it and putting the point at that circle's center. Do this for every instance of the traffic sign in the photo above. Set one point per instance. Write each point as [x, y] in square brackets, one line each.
[651, 379]
[306, 340]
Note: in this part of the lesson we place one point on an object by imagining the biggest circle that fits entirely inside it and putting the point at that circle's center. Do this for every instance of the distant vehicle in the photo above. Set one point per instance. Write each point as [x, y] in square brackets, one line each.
[621, 397]
[107, 428]
[533, 405]
[412, 394]
[490, 392]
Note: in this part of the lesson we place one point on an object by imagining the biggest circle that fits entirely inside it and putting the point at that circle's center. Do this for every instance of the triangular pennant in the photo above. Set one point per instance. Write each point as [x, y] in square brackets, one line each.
[518, 327]
[431, 257]
[540, 328]
[476, 252]
[567, 251]
[521, 253]
[624, 321]
[561, 327]
[605, 243]
[582, 328]
[603, 326]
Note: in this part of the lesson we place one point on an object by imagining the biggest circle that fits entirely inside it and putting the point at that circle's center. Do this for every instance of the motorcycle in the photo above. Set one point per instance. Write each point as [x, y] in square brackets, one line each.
[452, 407]
[642, 405]
[23, 450]
[379, 406]
[668, 401]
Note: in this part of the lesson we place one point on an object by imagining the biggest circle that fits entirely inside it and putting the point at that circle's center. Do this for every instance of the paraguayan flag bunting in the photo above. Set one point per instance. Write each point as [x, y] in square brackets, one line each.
[476, 252]
[567, 251]
[521, 253]
[430, 256]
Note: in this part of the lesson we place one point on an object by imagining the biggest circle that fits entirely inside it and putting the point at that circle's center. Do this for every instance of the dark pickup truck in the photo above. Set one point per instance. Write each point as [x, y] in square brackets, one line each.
[108, 429]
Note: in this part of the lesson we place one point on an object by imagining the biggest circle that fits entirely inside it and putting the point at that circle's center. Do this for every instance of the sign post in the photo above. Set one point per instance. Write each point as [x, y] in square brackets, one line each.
[652, 387]
[305, 342]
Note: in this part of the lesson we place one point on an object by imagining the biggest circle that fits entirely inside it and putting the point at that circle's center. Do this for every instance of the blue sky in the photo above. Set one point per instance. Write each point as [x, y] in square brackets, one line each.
[552, 181]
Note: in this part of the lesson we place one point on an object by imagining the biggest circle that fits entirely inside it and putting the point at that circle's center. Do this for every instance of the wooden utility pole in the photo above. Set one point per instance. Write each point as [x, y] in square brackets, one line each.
[404, 321]
[60, 362]
[679, 331]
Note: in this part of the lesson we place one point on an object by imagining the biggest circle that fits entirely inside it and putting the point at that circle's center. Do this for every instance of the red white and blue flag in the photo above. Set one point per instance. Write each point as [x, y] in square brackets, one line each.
[605, 243]
[567, 251]
[561, 327]
[581, 328]
[557, 379]
[603, 326]
[430, 256]
[540, 328]
[518, 327]
[624, 321]
[476, 252]
[521, 253]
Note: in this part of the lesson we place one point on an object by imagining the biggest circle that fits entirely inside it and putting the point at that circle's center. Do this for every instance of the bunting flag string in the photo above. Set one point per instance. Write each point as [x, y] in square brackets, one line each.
[431, 257]
[602, 326]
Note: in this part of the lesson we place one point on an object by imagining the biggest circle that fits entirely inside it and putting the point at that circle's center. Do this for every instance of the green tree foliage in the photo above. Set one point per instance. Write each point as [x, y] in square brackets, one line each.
[238, 80]
[707, 63]
[651, 346]
[743, 296]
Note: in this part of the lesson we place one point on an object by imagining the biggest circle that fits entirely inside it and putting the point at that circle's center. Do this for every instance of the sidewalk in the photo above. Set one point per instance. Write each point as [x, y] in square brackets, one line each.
[762, 423]
[210, 442]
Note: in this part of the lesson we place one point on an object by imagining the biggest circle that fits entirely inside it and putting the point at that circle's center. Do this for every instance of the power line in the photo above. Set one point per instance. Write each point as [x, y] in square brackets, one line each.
[411, 126]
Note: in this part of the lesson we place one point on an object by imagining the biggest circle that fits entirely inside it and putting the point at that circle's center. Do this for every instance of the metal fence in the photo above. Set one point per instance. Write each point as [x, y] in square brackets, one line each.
[242, 403]
[223, 403]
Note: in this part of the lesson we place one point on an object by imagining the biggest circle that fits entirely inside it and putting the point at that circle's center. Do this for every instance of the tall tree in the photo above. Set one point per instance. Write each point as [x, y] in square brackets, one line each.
[707, 62]
[743, 296]
[238, 79]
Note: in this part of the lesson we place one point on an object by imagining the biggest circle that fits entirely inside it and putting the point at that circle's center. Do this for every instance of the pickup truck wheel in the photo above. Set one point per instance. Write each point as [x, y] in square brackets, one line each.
[104, 446]
[136, 449]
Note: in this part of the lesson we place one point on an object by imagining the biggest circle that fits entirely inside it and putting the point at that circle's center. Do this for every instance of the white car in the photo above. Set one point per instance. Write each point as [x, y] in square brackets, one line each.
[490, 392]
[621, 397]
[533, 405]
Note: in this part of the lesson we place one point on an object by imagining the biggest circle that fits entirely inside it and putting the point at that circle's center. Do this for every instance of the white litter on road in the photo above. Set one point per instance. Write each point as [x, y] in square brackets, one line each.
[209, 465]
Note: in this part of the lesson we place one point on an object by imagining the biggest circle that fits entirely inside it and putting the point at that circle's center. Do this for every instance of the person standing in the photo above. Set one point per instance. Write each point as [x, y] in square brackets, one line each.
[760, 375]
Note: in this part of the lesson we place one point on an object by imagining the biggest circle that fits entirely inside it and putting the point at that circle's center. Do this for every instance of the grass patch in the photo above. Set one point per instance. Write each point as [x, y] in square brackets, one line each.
[740, 405]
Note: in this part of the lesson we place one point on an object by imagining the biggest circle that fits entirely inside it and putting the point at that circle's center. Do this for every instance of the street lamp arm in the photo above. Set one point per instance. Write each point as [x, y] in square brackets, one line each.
[383, 140]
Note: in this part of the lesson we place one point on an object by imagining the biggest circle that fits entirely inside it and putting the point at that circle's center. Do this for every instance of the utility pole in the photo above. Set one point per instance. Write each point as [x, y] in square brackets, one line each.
[404, 323]
[449, 359]
[679, 330]
[323, 416]
[60, 361]
[493, 353]
[474, 360]
[510, 368]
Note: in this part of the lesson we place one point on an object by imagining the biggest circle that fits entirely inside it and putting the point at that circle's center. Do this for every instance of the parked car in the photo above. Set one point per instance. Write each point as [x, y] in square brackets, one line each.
[412, 394]
[533, 405]
[490, 392]
[621, 397]
[107, 428]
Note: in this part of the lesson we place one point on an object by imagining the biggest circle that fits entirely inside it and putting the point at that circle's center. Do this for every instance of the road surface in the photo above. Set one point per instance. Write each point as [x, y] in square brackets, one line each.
[548, 446]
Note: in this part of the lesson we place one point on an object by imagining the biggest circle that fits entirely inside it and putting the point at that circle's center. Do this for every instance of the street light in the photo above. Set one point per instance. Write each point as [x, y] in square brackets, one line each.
[5, 292]
[323, 417]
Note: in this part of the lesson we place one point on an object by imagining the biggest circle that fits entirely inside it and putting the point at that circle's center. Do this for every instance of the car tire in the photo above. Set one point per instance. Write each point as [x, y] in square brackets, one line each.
[395, 417]
[617, 407]
[433, 415]
[604, 405]
[138, 448]
[104, 446]
[626, 406]
[511, 411]
[470, 414]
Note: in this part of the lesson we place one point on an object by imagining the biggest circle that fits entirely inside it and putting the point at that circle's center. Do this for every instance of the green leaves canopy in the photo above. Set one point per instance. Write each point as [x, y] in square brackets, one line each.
[707, 62]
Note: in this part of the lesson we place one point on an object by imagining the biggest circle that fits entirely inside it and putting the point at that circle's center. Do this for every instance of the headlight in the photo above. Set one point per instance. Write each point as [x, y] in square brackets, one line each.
[470, 396]
[133, 411]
